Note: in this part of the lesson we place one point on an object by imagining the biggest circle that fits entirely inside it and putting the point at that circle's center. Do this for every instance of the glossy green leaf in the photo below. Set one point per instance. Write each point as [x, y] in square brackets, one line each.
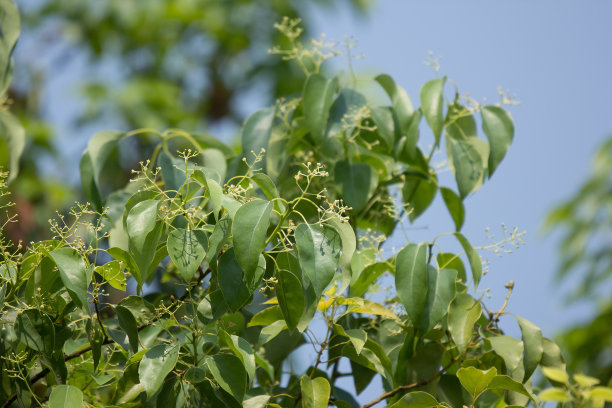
[406, 150]
[416, 399]
[533, 343]
[195, 375]
[498, 126]
[552, 356]
[187, 249]
[317, 100]
[214, 192]
[356, 182]
[418, 194]
[256, 134]
[432, 105]
[554, 394]
[454, 205]
[318, 251]
[231, 281]
[511, 351]
[349, 244]
[229, 373]
[13, 132]
[503, 382]
[63, 396]
[475, 380]
[357, 337]
[126, 260]
[315, 392]
[242, 349]
[144, 231]
[440, 293]
[384, 121]
[290, 298]
[267, 186]
[267, 316]
[402, 105]
[35, 330]
[218, 238]
[155, 365]
[473, 258]
[411, 280]
[271, 331]
[460, 123]
[447, 260]
[463, 313]
[249, 231]
[112, 272]
[74, 273]
[468, 161]
[128, 324]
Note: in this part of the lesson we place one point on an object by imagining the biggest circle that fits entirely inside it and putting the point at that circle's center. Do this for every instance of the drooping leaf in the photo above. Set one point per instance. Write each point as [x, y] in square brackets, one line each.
[357, 337]
[432, 105]
[155, 365]
[228, 371]
[128, 324]
[511, 351]
[242, 349]
[418, 193]
[552, 356]
[315, 392]
[473, 258]
[318, 251]
[384, 121]
[468, 161]
[454, 206]
[317, 100]
[63, 396]
[265, 183]
[349, 244]
[218, 238]
[356, 182]
[13, 132]
[440, 293]
[74, 273]
[144, 231]
[411, 280]
[402, 105]
[187, 249]
[290, 298]
[214, 192]
[463, 313]
[231, 281]
[416, 399]
[498, 126]
[256, 134]
[534, 348]
[35, 330]
[249, 234]
[475, 380]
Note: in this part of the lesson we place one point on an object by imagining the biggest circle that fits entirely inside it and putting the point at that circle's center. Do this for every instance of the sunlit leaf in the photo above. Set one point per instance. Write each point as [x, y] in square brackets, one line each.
[498, 126]
[187, 249]
[63, 396]
[432, 105]
[315, 392]
[318, 251]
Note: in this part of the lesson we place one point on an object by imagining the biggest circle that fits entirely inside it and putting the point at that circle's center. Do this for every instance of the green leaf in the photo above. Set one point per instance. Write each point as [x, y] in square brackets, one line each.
[187, 249]
[418, 193]
[290, 298]
[12, 131]
[440, 293]
[503, 382]
[249, 231]
[356, 182]
[367, 277]
[63, 396]
[473, 258]
[534, 348]
[447, 260]
[219, 236]
[498, 126]
[259, 401]
[554, 394]
[349, 244]
[267, 316]
[155, 365]
[511, 351]
[36, 331]
[271, 331]
[74, 273]
[112, 272]
[468, 161]
[128, 324]
[585, 381]
[315, 392]
[385, 125]
[411, 280]
[214, 165]
[231, 281]
[402, 105]
[552, 356]
[317, 100]
[144, 230]
[346, 104]
[460, 123]
[265, 183]
[556, 374]
[463, 313]
[407, 145]
[357, 337]
[318, 249]
[214, 192]
[432, 105]
[195, 375]
[601, 393]
[242, 349]
[454, 206]
[126, 259]
[417, 399]
[10, 25]
[474, 380]
[256, 134]
[229, 373]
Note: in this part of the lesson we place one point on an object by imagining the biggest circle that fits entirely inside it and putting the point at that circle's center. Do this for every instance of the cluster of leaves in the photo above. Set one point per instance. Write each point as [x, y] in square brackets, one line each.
[236, 256]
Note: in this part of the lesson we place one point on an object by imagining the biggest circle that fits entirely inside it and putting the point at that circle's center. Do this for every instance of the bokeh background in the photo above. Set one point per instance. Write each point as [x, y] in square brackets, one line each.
[204, 65]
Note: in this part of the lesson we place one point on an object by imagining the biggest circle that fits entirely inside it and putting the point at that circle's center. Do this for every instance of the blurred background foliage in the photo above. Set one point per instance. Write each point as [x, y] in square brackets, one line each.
[191, 64]
[204, 64]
